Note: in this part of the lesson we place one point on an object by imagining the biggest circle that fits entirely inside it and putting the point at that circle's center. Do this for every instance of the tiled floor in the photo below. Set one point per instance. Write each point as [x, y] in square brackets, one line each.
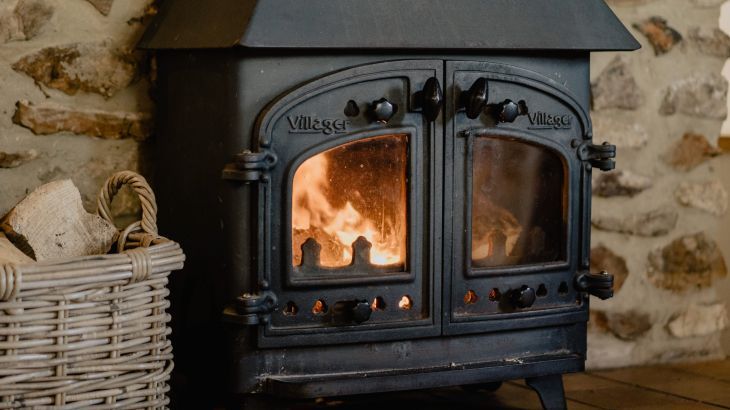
[694, 386]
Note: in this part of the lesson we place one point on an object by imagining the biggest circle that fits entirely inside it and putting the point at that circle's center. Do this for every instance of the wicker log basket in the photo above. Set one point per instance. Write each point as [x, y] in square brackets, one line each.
[91, 332]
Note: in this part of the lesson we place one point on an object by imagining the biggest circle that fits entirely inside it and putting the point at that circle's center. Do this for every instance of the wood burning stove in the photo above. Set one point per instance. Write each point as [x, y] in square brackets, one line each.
[379, 195]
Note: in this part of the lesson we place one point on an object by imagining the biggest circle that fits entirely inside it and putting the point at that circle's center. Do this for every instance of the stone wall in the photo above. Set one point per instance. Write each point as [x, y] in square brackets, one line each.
[75, 96]
[75, 104]
[661, 222]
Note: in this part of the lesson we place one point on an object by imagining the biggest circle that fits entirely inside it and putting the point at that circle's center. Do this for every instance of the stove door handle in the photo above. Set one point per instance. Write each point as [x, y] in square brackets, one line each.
[432, 99]
[597, 284]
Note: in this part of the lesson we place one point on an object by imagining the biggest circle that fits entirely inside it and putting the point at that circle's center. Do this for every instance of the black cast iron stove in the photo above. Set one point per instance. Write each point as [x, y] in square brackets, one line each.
[379, 195]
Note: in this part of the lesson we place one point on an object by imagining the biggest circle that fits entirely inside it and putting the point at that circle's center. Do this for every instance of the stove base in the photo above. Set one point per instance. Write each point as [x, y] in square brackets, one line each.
[543, 373]
[306, 372]
[549, 389]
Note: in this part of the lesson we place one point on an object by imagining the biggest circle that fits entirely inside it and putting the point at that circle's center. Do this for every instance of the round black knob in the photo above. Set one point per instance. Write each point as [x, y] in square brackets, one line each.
[509, 111]
[523, 297]
[361, 311]
[383, 110]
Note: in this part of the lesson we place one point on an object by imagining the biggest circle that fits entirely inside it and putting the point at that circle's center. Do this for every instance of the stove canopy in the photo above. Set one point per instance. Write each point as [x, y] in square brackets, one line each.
[568, 25]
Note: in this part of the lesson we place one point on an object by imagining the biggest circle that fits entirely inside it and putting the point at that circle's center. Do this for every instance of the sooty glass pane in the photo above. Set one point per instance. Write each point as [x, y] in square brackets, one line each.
[517, 204]
[354, 191]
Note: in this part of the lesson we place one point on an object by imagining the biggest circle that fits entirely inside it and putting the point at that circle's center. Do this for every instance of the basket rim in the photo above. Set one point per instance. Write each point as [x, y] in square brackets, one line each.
[121, 256]
[129, 266]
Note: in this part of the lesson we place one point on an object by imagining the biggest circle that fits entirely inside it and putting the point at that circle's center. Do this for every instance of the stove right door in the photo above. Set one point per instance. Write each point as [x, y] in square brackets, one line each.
[515, 188]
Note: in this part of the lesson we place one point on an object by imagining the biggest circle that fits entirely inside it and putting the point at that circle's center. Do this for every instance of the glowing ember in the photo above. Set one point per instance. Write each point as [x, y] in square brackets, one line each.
[319, 307]
[471, 297]
[357, 189]
[405, 303]
[378, 304]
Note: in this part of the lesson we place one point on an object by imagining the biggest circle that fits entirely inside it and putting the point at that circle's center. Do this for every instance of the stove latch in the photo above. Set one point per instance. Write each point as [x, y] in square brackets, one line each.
[597, 284]
[251, 308]
[431, 99]
[475, 100]
[599, 156]
[249, 166]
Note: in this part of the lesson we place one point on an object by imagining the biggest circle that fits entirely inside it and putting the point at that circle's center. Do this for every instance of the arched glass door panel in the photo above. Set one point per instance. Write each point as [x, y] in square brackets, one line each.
[518, 204]
[349, 207]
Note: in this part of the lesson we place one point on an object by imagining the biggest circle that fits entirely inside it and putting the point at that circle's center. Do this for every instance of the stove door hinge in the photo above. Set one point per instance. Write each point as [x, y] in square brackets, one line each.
[597, 284]
[250, 166]
[251, 309]
[599, 156]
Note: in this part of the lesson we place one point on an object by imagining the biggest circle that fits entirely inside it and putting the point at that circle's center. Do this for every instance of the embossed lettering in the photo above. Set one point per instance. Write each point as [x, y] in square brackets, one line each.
[305, 124]
[542, 120]
[294, 122]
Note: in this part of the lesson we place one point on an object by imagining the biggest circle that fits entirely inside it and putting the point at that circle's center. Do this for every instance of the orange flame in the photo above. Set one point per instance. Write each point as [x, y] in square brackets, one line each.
[336, 228]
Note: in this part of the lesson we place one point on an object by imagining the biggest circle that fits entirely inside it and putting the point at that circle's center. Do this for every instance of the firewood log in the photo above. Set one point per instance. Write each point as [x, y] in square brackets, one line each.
[51, 223]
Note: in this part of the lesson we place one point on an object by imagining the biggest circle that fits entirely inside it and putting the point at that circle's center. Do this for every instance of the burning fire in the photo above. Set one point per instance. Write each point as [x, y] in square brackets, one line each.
[371, 199]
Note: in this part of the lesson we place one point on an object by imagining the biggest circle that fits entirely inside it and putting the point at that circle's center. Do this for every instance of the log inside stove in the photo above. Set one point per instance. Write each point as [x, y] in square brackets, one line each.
[531, 247]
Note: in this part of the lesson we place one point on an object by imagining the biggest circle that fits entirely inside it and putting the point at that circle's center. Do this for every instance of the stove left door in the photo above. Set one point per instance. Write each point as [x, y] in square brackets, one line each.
[349, 184]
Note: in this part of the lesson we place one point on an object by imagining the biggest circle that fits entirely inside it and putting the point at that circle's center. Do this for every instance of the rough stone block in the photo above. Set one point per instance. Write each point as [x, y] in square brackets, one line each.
[691, 261]
[616, 87]
[51, 223]
[16, 159]
[620, 183]
[656, 222]
[628, 326]
[699, 320]
[50, 118]
[715, 43]
[98, 68]
[661, 37]
[709, 196]
[691, 151]
[701, 95]
[23, 20]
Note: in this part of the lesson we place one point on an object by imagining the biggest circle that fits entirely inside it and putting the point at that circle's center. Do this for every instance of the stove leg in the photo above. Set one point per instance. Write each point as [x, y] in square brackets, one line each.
[550, 390]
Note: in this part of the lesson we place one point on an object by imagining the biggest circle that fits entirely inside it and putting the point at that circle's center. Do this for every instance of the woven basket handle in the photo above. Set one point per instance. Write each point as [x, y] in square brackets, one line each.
[148, 223]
